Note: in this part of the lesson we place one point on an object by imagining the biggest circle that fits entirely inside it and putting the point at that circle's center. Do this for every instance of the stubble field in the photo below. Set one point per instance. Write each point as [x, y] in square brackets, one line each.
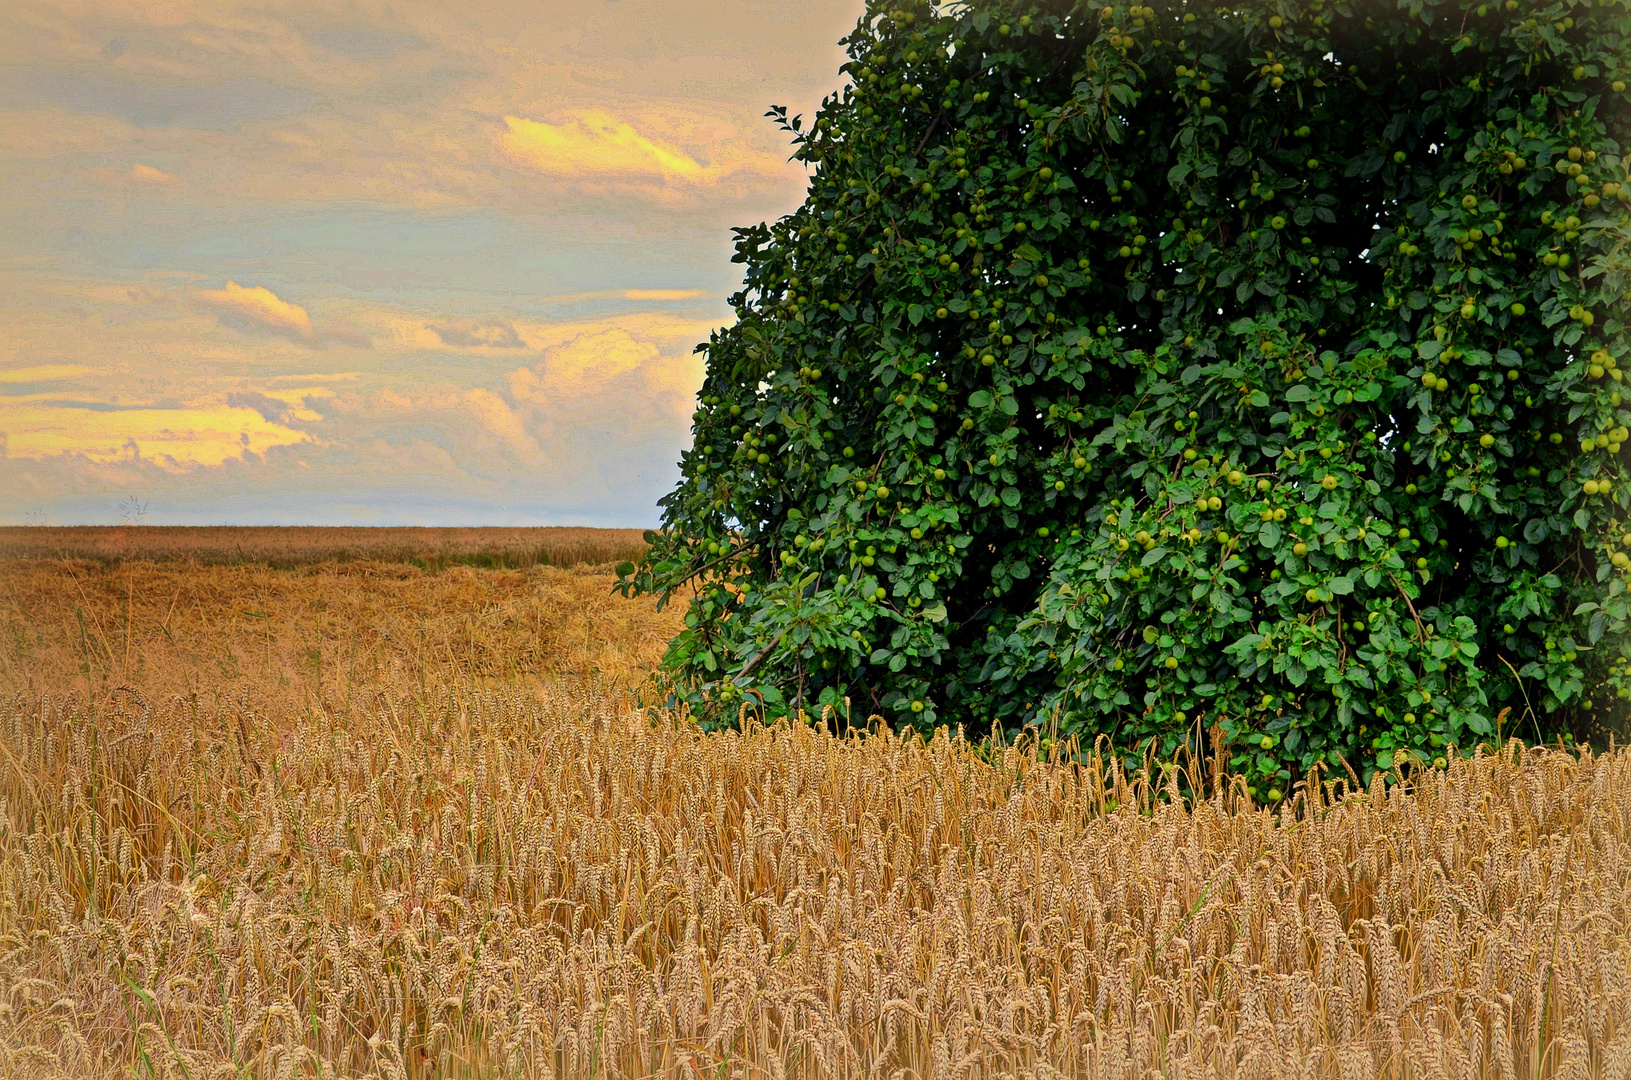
[363, 818]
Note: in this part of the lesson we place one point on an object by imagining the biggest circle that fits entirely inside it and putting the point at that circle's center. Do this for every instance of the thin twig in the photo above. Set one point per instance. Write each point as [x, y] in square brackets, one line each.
[932, 125]
[705, 567]
[1420, 629]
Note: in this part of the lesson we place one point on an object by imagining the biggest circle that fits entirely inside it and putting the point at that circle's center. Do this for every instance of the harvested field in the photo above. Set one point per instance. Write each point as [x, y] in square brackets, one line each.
[459, 850]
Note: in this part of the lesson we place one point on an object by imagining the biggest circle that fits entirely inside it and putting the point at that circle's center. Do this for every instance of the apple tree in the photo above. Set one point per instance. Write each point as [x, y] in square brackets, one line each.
[1134, 370]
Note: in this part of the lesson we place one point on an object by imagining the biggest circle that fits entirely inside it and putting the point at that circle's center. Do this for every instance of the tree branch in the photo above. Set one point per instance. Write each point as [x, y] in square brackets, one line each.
[731, 554]
[763, 655]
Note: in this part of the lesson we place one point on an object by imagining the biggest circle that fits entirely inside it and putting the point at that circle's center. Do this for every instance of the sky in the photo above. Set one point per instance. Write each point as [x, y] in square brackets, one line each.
[416, 262]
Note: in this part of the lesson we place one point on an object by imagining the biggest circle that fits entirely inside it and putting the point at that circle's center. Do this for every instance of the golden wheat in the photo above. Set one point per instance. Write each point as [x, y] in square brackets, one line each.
[286, 546]
[525, 875]
[310, 634]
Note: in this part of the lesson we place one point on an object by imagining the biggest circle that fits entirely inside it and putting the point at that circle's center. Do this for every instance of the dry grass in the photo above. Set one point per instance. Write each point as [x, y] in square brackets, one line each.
[518, 874]
[283, 547]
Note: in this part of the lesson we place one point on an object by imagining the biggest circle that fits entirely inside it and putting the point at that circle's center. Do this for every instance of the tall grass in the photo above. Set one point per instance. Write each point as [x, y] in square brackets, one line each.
[479, 871]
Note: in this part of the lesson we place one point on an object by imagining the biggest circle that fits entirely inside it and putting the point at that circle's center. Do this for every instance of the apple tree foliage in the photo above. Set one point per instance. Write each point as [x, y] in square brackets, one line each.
[1135, 370]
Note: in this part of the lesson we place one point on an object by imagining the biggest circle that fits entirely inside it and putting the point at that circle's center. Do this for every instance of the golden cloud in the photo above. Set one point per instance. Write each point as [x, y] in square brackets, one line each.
[204, 434]
[315, 376]
[662, 294]
[44, 373]
[606, 364]
[495, 415]
[146, 174]
[404, 331]
[596, 144]
[576, 366]
[490, 412]
[627, 294]
[260, 306]
[138, 174]
[662, 326]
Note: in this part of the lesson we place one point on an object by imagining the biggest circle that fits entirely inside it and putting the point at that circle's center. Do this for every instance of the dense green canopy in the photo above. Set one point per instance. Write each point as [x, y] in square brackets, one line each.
[1134, 370]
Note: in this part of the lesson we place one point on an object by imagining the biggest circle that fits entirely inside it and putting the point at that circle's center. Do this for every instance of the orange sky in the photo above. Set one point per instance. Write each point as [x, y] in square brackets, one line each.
[379, 263]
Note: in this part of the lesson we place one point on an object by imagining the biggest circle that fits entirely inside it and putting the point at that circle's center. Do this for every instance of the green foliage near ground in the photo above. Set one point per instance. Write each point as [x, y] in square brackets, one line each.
[1135, 370]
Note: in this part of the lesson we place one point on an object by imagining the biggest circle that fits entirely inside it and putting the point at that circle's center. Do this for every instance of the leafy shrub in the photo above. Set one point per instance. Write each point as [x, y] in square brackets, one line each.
[1133, 370]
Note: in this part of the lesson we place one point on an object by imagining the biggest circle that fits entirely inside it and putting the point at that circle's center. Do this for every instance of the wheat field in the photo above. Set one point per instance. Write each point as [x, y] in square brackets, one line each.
[454, 845]
[324, 634]
[287, 546]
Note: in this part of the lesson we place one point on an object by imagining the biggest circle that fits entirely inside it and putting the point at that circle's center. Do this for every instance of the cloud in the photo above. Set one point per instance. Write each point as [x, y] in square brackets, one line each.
[595, 420]
[216, 106]
[316, 376]
[260, 307]
[364, 42]
[402, 332]
[467, 422]
[44, 373]
[663, 294]
[341, 331]
[282, 407]
[596, 357]
[628, 294]
[146, 174]
[596, 144]
[496, 416]
[176, 439]
[271, 409]
[491, 336]
[606, 371]
[47, 135]
[376, 104]
[374, 180]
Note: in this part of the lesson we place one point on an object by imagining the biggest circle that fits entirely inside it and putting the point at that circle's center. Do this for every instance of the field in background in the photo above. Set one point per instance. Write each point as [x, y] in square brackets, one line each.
[406, 824]
[329, 634]
[428, 548]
